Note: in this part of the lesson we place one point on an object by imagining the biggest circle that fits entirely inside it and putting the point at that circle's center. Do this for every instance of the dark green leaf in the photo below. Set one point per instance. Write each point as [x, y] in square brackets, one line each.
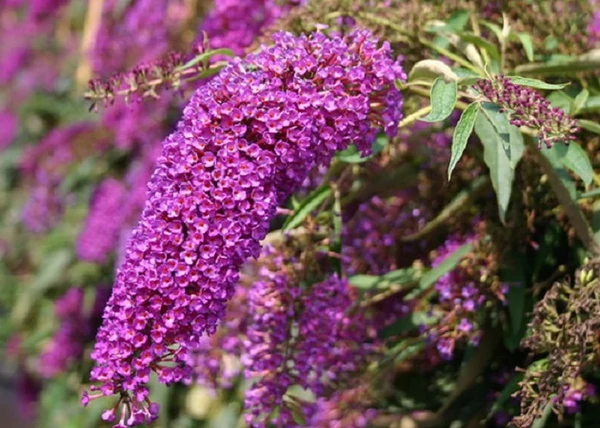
[576, 159]
[516, 310]
[308, 205]
[505, 394]
[458, 203]
[462, 132]
[502, 149]
[443, 100]
[535, 83]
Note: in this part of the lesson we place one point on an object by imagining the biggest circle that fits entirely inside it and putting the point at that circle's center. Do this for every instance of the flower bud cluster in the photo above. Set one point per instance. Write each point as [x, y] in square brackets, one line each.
[526, 107]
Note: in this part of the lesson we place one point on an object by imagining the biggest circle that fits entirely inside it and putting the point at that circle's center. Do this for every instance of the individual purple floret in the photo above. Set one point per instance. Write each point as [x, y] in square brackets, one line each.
[246, 141]
[526, 107]
[100, 232]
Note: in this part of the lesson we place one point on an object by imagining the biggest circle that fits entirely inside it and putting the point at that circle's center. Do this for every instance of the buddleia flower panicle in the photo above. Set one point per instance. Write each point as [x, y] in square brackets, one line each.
[100, 231]
[247, 140]
[526, 107]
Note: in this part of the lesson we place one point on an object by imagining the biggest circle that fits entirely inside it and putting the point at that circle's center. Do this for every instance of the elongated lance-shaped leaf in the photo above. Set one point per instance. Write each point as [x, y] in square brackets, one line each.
[307, 206]
[502, 149]
[588, 125]
[440, 270]
[535, 83]
[458, 203]
[462, 132]
[576, 159]
[527, 43]
[443, 100]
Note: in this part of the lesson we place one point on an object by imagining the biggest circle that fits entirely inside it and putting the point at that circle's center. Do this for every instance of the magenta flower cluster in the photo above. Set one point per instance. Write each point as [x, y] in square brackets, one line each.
[234, 24]
[104, 221]
[67, 344]
[247, 140]
[298, 337]
[526, 107]
[461, 296]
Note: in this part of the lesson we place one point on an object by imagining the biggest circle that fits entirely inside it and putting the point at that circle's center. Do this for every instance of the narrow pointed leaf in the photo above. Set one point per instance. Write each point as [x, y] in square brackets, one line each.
[535, 83]
[576, 159]
[307, 206]
[527, 45]
[502, 149]
[462, 132]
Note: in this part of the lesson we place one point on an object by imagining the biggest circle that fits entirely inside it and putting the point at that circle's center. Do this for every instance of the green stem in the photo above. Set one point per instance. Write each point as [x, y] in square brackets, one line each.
[411, 118]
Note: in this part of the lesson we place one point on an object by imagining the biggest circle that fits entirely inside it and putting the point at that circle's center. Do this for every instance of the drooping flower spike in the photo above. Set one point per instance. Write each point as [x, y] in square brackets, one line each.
[247, 140]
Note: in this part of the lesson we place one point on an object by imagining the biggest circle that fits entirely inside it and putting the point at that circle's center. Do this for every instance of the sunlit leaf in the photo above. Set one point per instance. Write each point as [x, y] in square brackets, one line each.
[443, 100]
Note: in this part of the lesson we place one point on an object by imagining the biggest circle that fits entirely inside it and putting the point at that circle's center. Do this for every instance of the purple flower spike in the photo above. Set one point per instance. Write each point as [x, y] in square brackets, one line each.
[246, 141]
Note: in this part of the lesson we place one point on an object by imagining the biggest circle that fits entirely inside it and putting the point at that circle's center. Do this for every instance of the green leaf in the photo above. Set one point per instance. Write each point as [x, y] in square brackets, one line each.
[495, 28]
[440, 270]
[588, 125]
[352, 155]
[535, 83]
[505, 394]
[480, 42]
[462, 132]
[50, 274]
[308, 205]
[591, 104]
[516, 309]
[576, 159]
[204, 57]
[458, 203]
[561, 100]
[443, 100]
[589, 61]
[527, 43]
[591, 194]
[372, 282]
[502, 150]
[544, 417]
[580, 101]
